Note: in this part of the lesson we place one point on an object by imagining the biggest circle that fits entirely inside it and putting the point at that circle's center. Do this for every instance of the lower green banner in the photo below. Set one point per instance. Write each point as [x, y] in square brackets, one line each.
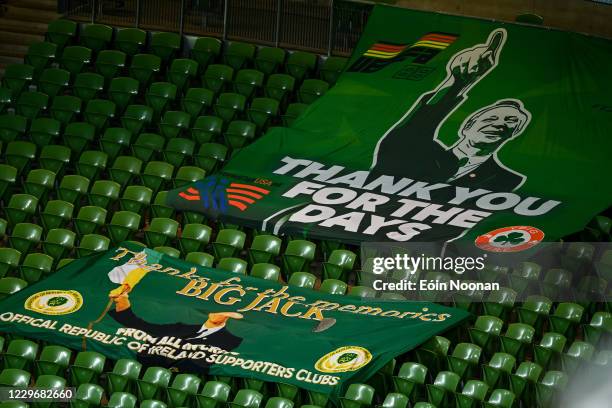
[137, 303]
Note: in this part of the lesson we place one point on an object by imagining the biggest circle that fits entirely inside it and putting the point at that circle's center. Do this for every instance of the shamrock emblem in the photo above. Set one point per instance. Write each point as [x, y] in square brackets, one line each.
[513, 238]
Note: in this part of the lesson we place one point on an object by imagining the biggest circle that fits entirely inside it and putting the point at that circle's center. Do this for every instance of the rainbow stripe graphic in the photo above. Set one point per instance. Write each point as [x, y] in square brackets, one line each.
[385, 51]
[438, 41]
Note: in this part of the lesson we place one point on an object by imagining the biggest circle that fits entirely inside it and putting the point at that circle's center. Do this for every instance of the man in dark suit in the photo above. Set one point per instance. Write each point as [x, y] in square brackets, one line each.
[213, 333]
[411, 147]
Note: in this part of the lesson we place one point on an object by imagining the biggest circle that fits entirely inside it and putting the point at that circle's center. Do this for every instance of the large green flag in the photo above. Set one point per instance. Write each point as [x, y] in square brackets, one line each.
[441, 127]
[132, 302]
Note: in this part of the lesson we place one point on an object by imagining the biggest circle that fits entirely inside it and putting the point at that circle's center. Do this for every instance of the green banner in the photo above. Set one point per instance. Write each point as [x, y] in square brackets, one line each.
[134, 303]
[441, 127]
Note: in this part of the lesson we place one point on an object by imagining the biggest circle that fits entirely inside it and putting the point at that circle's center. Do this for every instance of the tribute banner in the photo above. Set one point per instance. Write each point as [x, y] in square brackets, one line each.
[134, 303]
[440, 127]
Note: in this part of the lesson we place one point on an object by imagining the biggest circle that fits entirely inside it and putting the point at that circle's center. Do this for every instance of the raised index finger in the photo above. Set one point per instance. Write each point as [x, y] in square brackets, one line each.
[495, 41]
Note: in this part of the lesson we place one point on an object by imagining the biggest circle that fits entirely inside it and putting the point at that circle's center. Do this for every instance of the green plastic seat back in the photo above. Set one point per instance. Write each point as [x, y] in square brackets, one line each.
[235, 265]
[265, 271]
[130, 40]
[200, 258]
[302, 280]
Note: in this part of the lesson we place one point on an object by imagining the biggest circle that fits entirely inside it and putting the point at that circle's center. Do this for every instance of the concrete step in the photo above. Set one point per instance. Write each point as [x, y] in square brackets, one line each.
[47, 5]
[27, 14]
[12, 50]
[27, 27]
[19, 38]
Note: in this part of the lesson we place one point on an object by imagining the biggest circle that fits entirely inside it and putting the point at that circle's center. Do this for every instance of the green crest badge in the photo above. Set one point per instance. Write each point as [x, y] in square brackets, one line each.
[347, 358]
[54, 302]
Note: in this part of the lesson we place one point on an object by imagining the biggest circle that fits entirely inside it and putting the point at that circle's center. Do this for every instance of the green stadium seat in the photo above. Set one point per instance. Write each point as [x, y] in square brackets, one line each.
[228, 242]
[599, 326]
[194, 237]
[188, 174]
[184, 387]
[578, 353]
[61, 32]
[311, 90]
[279, 402]
[123, 226]
[18, 77]
[88, 86]
[25, 236]
[279, 86]
[174, 124]
[269, 59]
[165, 45]
[197, 101]
[239, 133]
[362, 291]
[63, 262]
[150, 403]
[122, 91]
[6, 99]
[410, 380]
[53, 360]
[500, 302]
[464, 360]
[90, 220]
[485, 332]
[264, 249]
[122, 400]
[302, 280]
[65, 108]
[534, 310]
[92, 243]
[78, 136]
[523, 381]
[157, 175]
[125, 169]
[8, 176]
[34, 266]
[598, 229]
[265, 271]
[556, 282]
[44, 131]
[110, 63]
[159, 207]
[214, 394]
[9, 261]
[297, 256]
[441, 392]
[30, 104]
[14, 378]
[99, 112]
[263, 111]
[205, 51]
[332, 68]
[550, 348]
[153, 384]
[58, 243]
[551, 385]
[136, 118]
[339, 263]
[40, 55]
[229, 105]
[577, 256]
[394, 400]
[10, 285]
[248, 82]
[473, 393]
[293, 111]
[160, 95]
[332, 286]
[72, 188]
[147, 146]
[207, 129]
[246, 399]
[169, 251]
[566, 317]
[200, 258]
[500, 398]
[20, 353]
[182, 71]
[54, 158]
[301, 64]
[103, 193]
[48, 382]
[517, 338]
[92, 163]
[12, 127]
[86, 368]
[125, 373]
[53, 81]
[433, 352]
[136, 198]
[38, 183]
[75, 58]
[525, 276]
[161, 231]
[96, 36]
[87, 395]
[234, 265]
[238, 54]
[144, 67]
[495, 373]
[20, 208]
[217, 76]
[130, 40]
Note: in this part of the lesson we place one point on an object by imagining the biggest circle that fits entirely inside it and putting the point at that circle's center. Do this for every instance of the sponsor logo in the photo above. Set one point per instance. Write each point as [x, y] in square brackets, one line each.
[381, 54]
[510, 239]
[219, 194]
[54, 302]
[347, 358]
